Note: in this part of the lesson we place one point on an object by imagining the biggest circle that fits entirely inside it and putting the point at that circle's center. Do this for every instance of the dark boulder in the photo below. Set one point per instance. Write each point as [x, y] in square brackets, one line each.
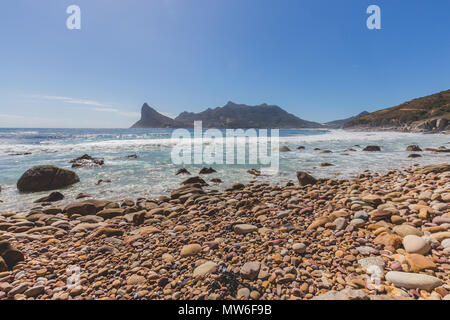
[207, 171]
[195, 180]
[414, 148]
[284, 149]
[43, 178]
[52, 197]
[182, 171]
[86, 161]
[414, 155]
[11, 256]
[305, 178]
[372, 148]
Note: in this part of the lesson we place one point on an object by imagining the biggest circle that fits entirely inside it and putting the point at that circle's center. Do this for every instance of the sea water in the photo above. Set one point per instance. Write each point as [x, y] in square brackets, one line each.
[152, 174]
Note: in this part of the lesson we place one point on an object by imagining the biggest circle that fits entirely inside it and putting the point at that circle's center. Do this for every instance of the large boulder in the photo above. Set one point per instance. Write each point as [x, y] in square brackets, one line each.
[44, 178]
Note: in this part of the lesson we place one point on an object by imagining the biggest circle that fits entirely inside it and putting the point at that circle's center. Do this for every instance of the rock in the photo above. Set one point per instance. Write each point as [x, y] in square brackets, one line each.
[388, 240]
[52, 197]
[11, 256]
[20, 288]
[305, 178]
[3, 265]
[372, 261]
[361, 215]
[82, 195]
[244, 228]
[318, 222]
[406, 229]
[136, 280]
[415, 244]
[194, 180]
[250, 270]
[340, 223]
[86, 161]
[110, 213]
[254, 172]
[434, 169]
[243, 293]
[357, 222]
[207, 171]
[413, 280]
[446, 243]
[414, 155]
[301, 148]
[372, 199]
[43, 178]
[132, 156]
[205, 268]
[87, 207]
[380, 214]
[346, 294]
[326, 164]
[418, 262]
[413, 148]
[299, 247]
[284, 149]
[190, 250]
[372, 148]
[182, 171]
[34, 291]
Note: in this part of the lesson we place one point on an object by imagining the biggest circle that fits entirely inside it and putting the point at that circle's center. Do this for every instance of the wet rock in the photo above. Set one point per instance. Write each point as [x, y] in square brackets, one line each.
[207, 171]
[372, 148]
[43, 178]
[86, 161]
[305, 178]
[52, 197]
[182, 171]
[284, 149]
[413, 148]
[254, 172]
[194, 180]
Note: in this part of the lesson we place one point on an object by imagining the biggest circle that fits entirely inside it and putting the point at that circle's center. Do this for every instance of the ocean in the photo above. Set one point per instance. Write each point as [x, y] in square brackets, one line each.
[152, 174]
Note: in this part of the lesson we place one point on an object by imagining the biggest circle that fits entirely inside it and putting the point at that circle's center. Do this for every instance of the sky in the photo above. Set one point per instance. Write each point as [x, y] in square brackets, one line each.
[315, 58]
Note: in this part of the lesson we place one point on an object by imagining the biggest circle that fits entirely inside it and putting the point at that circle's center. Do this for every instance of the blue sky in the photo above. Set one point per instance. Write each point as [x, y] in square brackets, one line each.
[314, 58]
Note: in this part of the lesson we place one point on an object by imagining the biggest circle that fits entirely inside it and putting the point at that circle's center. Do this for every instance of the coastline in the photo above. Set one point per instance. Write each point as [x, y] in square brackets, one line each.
[254, 241]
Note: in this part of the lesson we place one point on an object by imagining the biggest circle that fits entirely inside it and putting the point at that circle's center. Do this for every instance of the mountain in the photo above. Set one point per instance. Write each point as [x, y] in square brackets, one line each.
[340, 123]
[150, 118]
[234, 115]
[426, 114]
[231, 116]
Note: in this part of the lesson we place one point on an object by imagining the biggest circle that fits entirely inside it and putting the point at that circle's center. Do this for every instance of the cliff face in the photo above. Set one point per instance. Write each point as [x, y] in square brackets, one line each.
[426, 114]
[150, 118]
[229, 116]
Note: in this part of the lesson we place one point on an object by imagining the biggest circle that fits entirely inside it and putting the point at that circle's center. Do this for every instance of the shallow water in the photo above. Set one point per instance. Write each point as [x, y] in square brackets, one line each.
[153, 173]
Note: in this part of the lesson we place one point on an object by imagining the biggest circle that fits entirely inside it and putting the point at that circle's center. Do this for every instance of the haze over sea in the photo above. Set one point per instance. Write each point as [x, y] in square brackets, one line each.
[152, 174]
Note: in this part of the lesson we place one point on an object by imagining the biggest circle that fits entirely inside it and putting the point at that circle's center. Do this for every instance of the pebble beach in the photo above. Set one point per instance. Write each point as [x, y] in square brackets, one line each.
[370, 237]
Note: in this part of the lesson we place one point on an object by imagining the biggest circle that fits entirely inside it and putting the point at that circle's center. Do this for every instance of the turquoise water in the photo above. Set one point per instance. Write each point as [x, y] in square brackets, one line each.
[153, 174]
